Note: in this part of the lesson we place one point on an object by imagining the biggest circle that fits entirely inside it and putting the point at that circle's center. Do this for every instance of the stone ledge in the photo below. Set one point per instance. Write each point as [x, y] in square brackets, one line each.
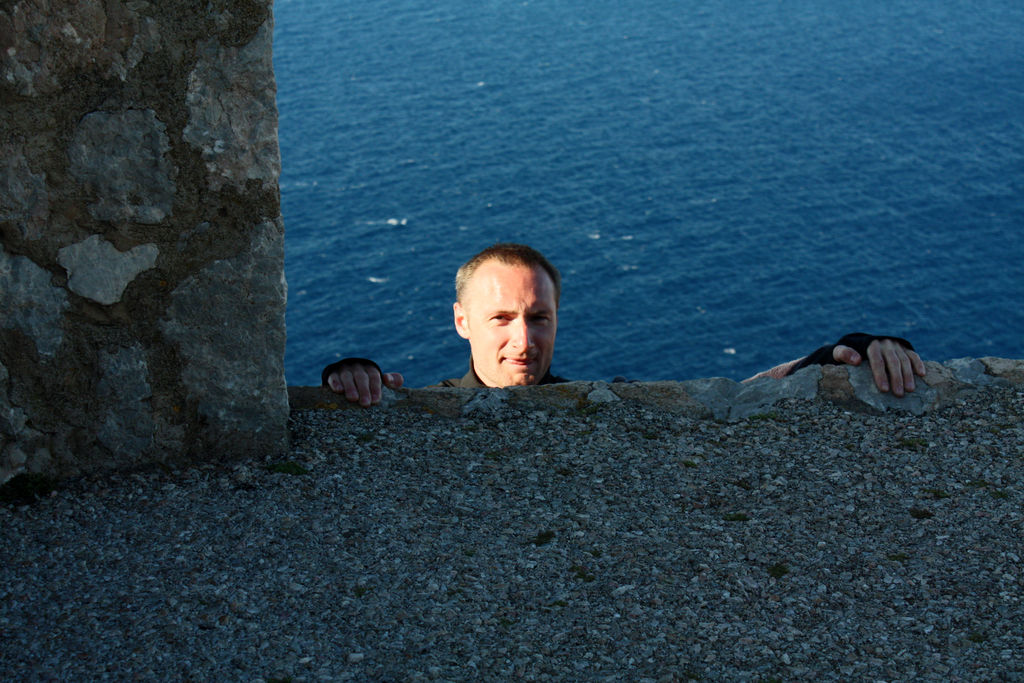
[713, 398]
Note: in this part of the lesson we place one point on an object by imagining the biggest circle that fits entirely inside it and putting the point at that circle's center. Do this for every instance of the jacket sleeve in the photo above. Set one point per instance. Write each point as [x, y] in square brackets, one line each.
[858, 341]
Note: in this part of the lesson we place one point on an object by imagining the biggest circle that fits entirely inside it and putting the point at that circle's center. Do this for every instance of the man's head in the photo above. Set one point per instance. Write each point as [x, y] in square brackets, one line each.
[507, 307]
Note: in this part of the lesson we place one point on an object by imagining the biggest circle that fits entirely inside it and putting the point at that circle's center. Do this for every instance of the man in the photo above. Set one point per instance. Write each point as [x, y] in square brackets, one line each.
[506, 306]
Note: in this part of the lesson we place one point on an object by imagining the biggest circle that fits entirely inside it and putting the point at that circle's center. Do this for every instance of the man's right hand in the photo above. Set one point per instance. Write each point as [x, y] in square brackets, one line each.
[361, 382]
[892, 365]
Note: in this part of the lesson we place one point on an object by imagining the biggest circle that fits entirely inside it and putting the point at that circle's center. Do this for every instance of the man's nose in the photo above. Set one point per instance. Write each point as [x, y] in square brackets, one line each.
[521, 335]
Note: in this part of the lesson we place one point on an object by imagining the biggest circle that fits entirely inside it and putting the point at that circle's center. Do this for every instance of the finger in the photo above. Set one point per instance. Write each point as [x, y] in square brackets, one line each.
[906, 368]
[846, 355]
[334, 382]
[393, 380]
[894, 355]
[348, 384]
[919, 369]
[373, 380]
[362, 385]
[877, 362]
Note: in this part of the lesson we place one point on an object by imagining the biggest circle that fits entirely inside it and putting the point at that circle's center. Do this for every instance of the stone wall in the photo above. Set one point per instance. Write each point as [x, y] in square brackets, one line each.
[142, 289]
[714, 398]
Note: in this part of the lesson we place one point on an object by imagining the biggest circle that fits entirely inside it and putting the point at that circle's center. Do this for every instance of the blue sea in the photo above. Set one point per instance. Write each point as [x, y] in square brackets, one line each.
[724, 185]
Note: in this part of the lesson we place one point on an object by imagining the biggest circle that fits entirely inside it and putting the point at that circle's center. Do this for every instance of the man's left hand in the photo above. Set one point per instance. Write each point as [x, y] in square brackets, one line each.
[892, 365]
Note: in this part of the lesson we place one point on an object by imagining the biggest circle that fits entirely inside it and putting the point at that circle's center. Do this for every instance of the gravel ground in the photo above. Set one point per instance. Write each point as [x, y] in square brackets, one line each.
[614, 543]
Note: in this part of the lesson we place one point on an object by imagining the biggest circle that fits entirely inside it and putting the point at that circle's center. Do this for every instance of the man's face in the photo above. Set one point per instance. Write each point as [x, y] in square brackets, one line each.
[509, 316]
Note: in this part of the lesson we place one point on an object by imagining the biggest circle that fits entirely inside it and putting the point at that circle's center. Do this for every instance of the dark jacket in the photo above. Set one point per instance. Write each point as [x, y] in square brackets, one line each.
[471, 381]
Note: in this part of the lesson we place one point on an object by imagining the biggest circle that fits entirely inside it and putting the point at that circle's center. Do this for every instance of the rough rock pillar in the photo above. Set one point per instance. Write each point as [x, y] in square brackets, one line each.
[142, 290]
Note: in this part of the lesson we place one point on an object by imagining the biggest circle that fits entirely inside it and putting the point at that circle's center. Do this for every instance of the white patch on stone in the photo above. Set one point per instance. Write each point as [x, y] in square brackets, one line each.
[98, 271]
[69, 31]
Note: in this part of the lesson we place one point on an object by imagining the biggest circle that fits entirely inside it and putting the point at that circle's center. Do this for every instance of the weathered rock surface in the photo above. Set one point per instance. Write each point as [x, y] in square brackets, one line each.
[714, 398]
[121, 159]
[141, 266]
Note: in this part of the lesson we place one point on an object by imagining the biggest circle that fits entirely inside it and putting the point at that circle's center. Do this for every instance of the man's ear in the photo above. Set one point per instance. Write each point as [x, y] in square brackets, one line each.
[461, 322]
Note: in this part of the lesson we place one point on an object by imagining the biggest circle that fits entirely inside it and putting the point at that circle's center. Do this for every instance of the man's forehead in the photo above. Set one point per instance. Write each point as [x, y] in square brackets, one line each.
[495, 279]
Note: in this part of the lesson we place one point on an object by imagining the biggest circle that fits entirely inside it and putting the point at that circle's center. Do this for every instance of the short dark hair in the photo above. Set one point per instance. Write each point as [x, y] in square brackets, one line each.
[512, 255]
